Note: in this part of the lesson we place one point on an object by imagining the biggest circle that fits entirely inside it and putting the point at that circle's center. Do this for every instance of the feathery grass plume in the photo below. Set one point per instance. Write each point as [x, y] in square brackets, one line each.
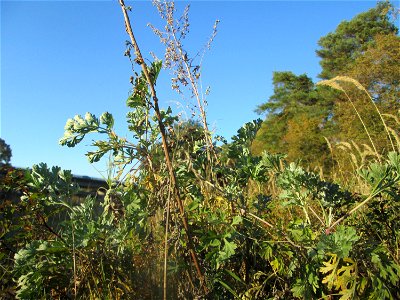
[347, 148]
[357, 148]
[352, 151]
[396, 137]
[367, 151]
[331, 151]
[358, 155]
[345, 145]
[394, 117]
[331, 83]
[361, 153]
[394, 133]
[349, 80]
[334, 83]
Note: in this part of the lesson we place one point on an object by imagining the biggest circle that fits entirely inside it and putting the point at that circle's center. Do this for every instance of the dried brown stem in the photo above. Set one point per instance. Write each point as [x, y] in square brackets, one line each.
[165, 145]
[166, 243]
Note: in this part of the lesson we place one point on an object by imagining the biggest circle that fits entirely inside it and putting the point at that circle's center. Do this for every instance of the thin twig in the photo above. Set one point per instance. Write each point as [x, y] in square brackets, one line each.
[316, 215]
[44, 223]
[257, 218]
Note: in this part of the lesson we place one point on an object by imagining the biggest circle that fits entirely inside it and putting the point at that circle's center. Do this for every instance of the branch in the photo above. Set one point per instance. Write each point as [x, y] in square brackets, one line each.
[350, 212]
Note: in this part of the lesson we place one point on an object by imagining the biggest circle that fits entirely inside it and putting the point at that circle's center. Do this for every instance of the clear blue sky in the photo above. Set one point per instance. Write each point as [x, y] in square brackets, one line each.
[62, 58]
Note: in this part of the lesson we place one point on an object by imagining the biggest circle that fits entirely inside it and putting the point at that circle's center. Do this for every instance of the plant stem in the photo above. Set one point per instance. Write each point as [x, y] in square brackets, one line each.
[74, 259]
[379, 113]
[164, 144]
[351, 211]
[166, 244]
[365, 127]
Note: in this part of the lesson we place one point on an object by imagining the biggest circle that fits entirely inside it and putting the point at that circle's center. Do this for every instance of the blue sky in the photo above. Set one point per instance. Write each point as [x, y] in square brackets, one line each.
[62, 58]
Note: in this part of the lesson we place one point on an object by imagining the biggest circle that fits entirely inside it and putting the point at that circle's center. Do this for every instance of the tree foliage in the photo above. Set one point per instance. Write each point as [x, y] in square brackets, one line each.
[5, 152]
[378, 71]
[297, 119]
[339, 49]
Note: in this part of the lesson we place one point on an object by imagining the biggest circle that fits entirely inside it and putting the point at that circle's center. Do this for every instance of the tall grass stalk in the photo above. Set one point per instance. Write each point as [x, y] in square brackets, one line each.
[361, 87]
[392, 131]
[334, 83]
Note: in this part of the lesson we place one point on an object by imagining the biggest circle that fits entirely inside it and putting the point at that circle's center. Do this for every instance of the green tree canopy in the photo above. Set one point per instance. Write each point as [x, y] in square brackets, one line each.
[290, 92]
[339, 49]
[292, 95]
[5, 152]
[378, 70]
[298, 108]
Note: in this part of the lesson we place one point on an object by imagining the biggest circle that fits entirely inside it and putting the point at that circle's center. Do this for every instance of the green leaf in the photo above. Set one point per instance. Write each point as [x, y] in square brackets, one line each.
[340, 242]
[193, 205]
[228, 250]
[95, 156]
[78, 127]
[107, 119]
[236, 277]
[215, 243]
[136, 100]
[329, 269]
[227, 287]
[236, 220]
[154, 70]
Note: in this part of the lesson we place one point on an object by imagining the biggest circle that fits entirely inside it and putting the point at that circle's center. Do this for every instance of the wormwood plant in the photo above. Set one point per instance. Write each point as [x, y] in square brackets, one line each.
[215, 220]
[86, 255]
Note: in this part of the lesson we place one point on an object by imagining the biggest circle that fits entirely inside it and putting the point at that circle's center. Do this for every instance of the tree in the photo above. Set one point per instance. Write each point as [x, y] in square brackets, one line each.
[292, 95]
[290, 92]
[378, 71]
[339, 49]
[295, 110]
[5, 152]
[305, 139]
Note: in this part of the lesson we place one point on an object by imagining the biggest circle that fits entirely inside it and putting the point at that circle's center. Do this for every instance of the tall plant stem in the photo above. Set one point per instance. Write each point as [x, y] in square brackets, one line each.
[365, 127]
[166, 245]
[375, 191]
[74, 259]
[165, 146]
[380, 115]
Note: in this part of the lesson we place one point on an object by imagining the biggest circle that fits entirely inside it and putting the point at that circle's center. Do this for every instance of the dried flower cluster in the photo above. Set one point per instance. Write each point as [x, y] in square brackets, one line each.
[186, 70]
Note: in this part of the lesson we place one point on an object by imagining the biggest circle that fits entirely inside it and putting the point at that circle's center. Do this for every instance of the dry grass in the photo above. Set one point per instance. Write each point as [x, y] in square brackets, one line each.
[351, 155]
